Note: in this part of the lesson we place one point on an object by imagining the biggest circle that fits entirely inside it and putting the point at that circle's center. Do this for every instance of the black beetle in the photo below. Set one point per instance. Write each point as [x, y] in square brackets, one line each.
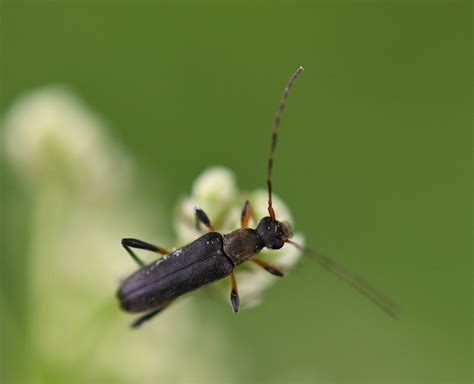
[214, 256]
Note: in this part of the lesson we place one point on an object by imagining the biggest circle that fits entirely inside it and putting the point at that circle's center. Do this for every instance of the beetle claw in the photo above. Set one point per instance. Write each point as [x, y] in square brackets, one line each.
[235, 301]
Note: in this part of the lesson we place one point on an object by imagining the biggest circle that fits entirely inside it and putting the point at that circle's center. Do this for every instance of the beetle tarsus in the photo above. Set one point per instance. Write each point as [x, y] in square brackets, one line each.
[128, 244]
[268, 267]
[234, 294]
[150, 315]
[201, 217]
[235, 301]
[275, 271]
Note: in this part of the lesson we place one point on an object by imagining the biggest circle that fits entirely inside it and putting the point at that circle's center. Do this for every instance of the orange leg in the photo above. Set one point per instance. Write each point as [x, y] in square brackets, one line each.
[246, 214]
[268, 267]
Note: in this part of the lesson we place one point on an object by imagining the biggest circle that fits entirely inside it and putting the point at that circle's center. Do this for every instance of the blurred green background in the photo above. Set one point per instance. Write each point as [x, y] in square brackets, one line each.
[374, 160]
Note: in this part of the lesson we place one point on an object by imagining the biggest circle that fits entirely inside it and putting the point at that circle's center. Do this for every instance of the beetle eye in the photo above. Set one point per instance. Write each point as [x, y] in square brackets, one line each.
[277, 243]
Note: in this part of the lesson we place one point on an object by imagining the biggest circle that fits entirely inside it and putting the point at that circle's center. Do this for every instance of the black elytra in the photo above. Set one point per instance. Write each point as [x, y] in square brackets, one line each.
[209, 258]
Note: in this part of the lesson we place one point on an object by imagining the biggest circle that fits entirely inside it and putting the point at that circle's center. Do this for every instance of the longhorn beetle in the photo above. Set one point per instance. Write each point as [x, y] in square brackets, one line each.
[214, 256]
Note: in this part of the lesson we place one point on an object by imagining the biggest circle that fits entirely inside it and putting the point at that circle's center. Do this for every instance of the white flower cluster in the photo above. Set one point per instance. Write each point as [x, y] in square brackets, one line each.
[83, 201]
[52, 135]
[215, 191]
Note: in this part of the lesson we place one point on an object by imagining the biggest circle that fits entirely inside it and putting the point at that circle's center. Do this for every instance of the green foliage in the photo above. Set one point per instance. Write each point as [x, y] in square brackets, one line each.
[374, 160]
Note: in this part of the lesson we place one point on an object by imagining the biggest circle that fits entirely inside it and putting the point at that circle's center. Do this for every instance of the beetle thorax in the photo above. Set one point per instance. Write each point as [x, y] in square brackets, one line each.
[242, 245]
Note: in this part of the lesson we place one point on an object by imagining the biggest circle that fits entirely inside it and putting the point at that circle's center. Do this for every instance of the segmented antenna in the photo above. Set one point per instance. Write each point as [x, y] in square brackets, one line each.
[276, 125]
[356, 281]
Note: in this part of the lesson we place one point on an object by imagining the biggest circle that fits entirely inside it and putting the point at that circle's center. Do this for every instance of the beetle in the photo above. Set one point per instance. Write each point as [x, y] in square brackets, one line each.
[215, 256]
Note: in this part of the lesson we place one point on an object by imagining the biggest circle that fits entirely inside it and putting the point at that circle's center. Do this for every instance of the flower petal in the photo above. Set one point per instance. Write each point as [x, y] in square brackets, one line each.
[216, 192]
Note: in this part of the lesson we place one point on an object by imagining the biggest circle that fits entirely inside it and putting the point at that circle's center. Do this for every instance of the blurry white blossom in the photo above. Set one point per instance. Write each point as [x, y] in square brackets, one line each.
[83, 202]
[215, 191]
[52, 136]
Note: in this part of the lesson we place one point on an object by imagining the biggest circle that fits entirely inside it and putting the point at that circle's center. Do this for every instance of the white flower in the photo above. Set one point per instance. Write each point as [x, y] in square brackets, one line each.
[82, 203]
[51, 135]
[216, 193]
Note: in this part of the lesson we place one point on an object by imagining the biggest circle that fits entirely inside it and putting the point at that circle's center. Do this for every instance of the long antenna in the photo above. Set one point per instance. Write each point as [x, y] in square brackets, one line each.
[276, 125]
[359, 283]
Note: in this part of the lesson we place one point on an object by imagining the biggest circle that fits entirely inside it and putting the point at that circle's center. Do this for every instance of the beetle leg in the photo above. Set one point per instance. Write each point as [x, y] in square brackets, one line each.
[268, 267]
[134, 243]
[201, 217]
[148, 316]
[234, 294]
[245, 215]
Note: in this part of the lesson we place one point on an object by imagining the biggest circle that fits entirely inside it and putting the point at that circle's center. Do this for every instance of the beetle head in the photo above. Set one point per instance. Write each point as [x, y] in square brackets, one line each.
[274, 233]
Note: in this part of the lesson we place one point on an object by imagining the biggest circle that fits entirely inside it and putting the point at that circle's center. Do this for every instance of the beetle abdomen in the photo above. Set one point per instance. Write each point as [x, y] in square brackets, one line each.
[199, 263]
